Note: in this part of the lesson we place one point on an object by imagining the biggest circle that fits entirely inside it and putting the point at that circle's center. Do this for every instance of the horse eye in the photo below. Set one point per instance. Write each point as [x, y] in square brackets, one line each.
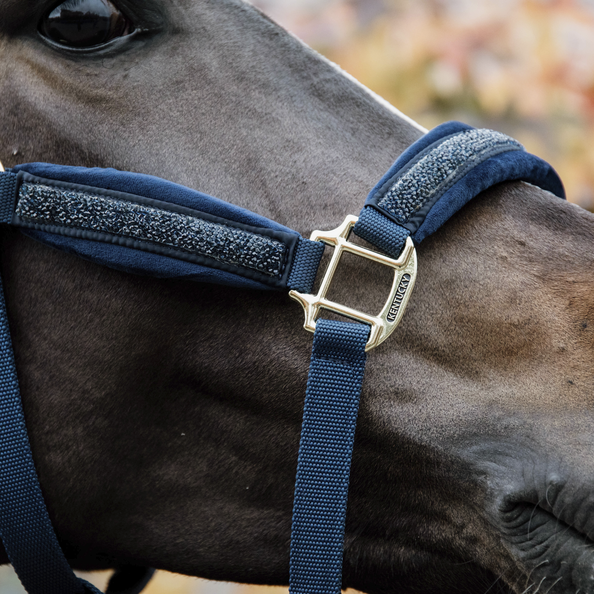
[85, 23]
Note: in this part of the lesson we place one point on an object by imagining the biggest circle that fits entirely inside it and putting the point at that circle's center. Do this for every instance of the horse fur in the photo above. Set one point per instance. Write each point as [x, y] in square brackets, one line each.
[164, 416]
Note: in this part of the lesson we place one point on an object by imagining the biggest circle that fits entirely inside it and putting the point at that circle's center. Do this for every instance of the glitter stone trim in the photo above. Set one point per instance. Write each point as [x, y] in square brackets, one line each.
[47, 205]
[439, 167]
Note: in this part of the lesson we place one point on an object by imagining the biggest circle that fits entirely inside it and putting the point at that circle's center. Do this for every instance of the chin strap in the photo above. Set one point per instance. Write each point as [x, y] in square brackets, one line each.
[146, 225]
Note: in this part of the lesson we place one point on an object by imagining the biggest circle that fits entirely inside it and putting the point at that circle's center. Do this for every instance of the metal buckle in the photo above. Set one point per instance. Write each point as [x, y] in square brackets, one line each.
[405, 272]
[1, 166]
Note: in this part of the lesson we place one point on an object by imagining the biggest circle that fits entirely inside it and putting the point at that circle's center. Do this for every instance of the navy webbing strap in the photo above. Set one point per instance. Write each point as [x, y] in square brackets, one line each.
[324, 465]
[25, 527]
[8, 193]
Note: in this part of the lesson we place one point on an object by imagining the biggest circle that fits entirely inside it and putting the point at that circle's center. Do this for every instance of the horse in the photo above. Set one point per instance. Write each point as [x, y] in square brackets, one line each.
[164, 416]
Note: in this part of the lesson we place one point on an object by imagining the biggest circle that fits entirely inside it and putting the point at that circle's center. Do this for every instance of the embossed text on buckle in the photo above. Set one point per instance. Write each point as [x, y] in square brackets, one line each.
[405, 272]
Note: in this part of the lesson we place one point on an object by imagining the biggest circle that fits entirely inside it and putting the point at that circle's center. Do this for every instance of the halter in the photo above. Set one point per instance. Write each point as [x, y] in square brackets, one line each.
[146, 225]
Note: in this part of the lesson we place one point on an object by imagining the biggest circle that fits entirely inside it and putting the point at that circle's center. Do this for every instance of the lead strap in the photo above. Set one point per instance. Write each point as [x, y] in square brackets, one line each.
[325, 452]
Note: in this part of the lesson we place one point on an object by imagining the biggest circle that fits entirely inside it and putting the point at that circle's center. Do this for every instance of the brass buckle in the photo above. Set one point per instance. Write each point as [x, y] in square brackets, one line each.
[405, 272]
[1, 166]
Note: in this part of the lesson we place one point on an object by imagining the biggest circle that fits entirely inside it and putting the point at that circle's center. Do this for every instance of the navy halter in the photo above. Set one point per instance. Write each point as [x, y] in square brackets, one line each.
[146, 225]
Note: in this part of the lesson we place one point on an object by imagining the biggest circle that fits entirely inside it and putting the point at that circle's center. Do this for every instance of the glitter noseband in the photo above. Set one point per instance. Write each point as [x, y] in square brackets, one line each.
[146, 225]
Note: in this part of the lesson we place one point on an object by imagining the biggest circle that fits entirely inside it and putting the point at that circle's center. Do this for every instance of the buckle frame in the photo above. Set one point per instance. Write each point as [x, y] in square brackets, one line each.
[405, 272]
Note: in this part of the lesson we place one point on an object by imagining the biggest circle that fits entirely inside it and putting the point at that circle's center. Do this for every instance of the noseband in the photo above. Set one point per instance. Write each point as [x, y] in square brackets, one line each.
[146, 225]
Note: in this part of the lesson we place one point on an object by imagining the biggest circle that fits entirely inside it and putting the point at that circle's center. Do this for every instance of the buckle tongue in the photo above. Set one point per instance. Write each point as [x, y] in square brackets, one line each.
[405, 272]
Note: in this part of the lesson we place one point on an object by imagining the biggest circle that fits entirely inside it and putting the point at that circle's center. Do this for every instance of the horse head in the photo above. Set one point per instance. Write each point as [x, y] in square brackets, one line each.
[164, 416]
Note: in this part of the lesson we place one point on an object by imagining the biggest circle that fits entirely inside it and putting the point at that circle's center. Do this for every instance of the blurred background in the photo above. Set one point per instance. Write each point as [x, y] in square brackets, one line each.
[524, 67]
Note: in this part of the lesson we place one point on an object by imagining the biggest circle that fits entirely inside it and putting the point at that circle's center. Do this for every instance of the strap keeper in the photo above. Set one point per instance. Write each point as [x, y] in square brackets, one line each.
[380, 231]
[305, 265]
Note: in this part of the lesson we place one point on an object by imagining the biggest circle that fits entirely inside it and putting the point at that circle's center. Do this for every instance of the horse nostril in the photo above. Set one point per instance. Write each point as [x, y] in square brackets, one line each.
[85, 23]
